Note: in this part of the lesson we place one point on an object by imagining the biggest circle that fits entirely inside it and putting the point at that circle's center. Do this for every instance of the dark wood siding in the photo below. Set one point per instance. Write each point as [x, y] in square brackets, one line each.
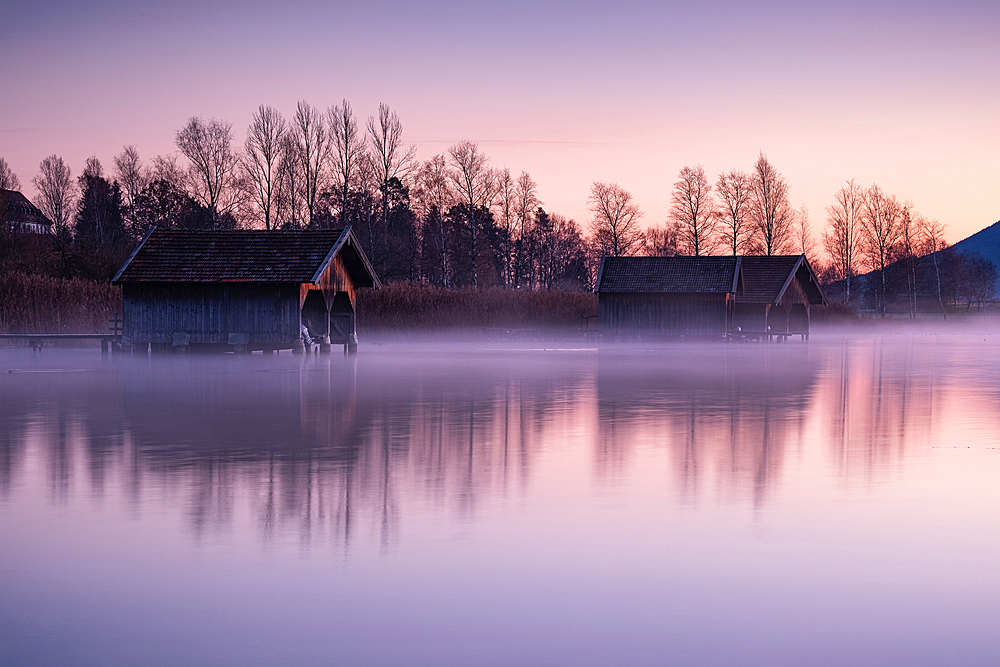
[750, 317]
[153, 312]
[663, 314]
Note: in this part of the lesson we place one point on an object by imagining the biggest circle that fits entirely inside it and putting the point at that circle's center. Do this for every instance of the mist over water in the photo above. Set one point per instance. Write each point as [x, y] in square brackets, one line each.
[826, 503]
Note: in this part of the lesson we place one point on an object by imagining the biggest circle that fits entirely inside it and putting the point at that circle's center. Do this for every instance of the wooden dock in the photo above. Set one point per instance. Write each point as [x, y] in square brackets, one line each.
[108, 341]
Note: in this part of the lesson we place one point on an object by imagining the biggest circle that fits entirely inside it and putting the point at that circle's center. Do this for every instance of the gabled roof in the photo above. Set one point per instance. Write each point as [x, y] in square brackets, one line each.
[765, 279]
[753, 279]
[19, 210]
[257, 256]
[713, 275]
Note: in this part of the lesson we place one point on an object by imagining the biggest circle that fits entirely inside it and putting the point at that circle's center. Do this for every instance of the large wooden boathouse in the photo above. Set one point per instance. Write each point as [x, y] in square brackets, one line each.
[706, 297]
[243, 290]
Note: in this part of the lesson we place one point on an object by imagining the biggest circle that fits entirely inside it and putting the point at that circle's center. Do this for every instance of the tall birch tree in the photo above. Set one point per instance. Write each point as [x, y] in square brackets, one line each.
[615, 221]
[843, 235]
[692, 210]
[772, 217]
[263, 152]
[475, 184]
[734, 201]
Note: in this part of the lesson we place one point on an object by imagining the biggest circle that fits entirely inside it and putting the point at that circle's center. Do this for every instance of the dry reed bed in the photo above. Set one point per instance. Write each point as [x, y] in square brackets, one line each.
[40, 304]
[403, 307]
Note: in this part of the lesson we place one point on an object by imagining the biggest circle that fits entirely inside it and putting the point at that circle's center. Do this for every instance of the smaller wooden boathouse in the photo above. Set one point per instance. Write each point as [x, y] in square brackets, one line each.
[706, 297]
[243, 290]
[777, 296]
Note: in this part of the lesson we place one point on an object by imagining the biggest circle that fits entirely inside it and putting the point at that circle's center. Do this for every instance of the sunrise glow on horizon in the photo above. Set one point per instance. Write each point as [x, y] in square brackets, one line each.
[899, 94]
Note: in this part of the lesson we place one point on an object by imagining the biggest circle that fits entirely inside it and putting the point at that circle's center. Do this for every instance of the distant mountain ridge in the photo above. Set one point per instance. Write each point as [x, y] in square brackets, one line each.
[986, 242]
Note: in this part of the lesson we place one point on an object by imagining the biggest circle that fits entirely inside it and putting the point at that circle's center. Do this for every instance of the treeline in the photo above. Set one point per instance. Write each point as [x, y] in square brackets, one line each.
[454, 220]
[450, 221]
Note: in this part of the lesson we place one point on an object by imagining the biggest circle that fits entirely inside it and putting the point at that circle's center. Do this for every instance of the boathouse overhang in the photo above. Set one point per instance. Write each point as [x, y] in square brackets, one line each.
[249, 288]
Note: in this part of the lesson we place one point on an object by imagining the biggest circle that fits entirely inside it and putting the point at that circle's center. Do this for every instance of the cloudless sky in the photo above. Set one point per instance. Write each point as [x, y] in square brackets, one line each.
[906, 95]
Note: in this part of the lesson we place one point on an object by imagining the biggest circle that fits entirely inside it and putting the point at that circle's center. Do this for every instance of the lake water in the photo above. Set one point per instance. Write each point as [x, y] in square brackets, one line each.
[835, 502]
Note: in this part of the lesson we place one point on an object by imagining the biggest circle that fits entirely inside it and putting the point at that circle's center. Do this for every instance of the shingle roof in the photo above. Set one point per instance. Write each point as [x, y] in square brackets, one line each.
[754, 279]
[20, 210]
[765, 277]
[668, 274]
[169, 255]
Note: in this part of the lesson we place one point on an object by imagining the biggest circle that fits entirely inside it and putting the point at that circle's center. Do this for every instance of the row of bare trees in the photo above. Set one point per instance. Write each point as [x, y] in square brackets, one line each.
[452, 220]
[868, 230]
[742, 213]
[455, 220]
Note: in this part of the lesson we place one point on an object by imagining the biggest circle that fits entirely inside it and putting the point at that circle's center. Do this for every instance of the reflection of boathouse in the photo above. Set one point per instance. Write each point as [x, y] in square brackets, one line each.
[249, 288]
[706, 296]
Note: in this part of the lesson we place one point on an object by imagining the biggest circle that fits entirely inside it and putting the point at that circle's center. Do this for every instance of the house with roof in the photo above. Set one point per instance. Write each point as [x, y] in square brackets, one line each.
[777, 296]
[243, 290]
[706, 297]
[21, 215]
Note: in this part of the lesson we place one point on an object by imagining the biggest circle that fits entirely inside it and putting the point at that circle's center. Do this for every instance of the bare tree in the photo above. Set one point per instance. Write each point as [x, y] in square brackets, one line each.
[978, 279]
[932, 234]
[615, 225]
[348, 146]
[880, 225]
[8, 179]
[262, 154]
[526, 201]
[389, 159]
[734, 191]
[475, 184]
[56, 192]
[130, 173]
[289, 212]
[433, 195]
[804, 241]
[907, 251]
[771, 215]
[213, 175]
[165, 168]
[506, 204]
[312, 148]
[92, 168]
[842, 240]
[662, 241]
[692, 210]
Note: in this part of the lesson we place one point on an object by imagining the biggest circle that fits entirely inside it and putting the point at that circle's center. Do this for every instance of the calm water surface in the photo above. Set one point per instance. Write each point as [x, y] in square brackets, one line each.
[829, 503]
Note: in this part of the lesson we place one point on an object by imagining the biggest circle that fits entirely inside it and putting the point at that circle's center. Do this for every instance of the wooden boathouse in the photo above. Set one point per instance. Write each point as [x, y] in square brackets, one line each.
[777, 296]
[243, 290]
[706, 297]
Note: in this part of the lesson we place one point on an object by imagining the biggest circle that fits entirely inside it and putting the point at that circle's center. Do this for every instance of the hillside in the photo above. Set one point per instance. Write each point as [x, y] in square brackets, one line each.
[986, 242]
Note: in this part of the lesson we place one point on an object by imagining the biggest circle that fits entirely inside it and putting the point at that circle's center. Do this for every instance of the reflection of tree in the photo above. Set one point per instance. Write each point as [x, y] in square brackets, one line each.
[335, 451]
[881, 398]
[348, 451]
[725, 413]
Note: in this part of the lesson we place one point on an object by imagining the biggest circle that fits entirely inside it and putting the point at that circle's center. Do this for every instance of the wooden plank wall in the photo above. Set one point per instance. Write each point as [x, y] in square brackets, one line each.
[337, 279]
[663, 314]
[153, 312]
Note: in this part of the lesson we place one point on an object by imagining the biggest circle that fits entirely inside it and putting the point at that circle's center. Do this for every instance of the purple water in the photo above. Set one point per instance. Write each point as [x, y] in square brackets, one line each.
[829, 503]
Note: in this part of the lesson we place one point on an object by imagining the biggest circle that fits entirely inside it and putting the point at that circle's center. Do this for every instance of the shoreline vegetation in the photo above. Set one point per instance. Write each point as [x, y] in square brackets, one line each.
[31, 303]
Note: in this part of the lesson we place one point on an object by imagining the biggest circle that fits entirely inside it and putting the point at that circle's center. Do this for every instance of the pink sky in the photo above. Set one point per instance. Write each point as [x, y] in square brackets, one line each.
[902, 94]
